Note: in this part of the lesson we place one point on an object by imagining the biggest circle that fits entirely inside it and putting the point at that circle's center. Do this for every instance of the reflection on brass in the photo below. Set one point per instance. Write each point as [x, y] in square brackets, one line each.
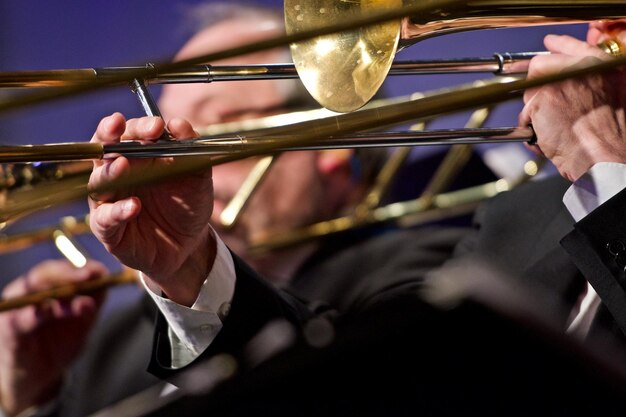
[613, 47]
[406, 214]
[127, 276]
[16, 242]
[16, 176]
[455, 159]
[262, 45]
[235, 206]
[69, 248]
[344, 70]
[441, 206]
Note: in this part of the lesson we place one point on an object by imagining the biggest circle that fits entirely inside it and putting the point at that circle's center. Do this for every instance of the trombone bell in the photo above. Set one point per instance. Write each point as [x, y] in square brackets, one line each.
[343, 71]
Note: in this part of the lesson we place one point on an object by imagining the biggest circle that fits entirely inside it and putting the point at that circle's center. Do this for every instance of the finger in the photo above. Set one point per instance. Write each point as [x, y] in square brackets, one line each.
[108, 221]
[542, 65]
[181, 129]
[102, 175]
[144, 129]
[80, 305]
[534, 148]
[53, 273]
[110, 129]
[567, 45]
[525, 120]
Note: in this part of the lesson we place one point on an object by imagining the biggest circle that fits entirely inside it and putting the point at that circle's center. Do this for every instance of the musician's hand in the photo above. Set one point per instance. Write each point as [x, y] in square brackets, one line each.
[160, 229]
[578, 122]
[38, 343]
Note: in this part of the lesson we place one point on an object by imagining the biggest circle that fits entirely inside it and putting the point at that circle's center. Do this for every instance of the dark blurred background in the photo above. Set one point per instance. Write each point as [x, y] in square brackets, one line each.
[78, 34]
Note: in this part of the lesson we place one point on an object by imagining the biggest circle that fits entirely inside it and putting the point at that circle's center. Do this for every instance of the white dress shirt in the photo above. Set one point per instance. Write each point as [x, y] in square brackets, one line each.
[192, 329]
[603, 181]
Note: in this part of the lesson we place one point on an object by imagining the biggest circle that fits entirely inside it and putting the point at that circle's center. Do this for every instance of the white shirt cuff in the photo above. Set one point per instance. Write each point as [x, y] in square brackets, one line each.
[603, 181]
[193, 329]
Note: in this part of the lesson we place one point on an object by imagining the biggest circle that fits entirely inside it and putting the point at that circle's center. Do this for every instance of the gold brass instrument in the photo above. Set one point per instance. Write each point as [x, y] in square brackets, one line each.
[501, 63]
[266, 146]
[318, 130]
[126, 276]
[344, 70]
[368, 212]
[68, 224]
[436, 17]
[232, 146]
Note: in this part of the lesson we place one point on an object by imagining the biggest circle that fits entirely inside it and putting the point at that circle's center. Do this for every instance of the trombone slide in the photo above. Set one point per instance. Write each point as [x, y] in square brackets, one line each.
[211, 146]
[501, 63]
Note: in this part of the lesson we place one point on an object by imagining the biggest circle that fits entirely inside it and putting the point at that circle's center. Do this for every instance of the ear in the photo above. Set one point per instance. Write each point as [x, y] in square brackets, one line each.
[334, 161]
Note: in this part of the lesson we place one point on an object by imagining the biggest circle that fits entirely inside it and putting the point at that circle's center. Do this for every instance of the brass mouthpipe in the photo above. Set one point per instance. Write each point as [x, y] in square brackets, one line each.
[499, 64]
[211, 146]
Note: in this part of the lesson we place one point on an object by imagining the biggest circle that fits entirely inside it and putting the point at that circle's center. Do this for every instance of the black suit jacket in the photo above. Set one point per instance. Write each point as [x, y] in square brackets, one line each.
[518, 232]
[408, 358]
[113, 363]
[417, 359]
[528, 234]
[350, 274]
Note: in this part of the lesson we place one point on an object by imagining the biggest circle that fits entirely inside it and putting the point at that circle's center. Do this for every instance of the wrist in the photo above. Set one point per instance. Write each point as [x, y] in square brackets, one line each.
[183, 284]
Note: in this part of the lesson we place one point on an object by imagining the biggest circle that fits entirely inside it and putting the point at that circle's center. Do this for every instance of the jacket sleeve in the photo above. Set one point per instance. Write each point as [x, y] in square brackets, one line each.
[255, 303]
[597, 246]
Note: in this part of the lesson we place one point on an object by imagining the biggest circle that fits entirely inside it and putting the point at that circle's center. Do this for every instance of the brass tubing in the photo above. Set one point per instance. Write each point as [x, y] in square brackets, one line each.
[499, 63]
[127, 276]
[211, 146]
[50, 153]
[263, 45]
[354, 64]
[16, 242]
[450, 101]
[434, 208]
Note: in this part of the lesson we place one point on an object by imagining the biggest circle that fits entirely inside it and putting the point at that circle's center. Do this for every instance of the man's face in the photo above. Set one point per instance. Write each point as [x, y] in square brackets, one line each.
[292, 193]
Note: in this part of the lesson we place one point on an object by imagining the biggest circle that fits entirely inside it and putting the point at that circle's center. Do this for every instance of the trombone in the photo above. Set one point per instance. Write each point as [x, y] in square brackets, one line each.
[267, 144]
[354, 30]
[501, 63]
[344, 70]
